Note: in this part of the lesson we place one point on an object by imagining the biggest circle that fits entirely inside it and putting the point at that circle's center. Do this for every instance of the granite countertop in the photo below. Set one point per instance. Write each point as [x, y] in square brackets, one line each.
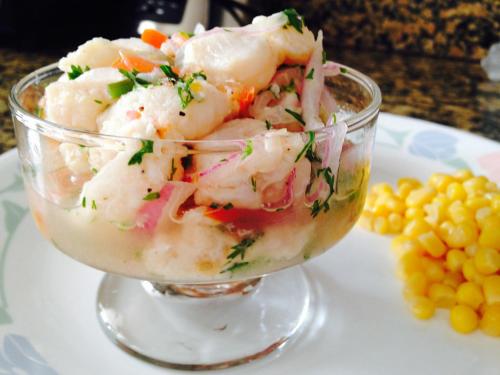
[451, 92]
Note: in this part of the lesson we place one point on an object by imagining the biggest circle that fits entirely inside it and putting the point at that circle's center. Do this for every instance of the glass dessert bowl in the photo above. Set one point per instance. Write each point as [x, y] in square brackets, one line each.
[192, 232]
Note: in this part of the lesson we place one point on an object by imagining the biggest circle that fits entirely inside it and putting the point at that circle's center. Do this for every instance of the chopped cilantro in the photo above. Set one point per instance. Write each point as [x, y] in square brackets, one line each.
[268, 125]
[323, 54]
[98, 101]
[319, 205]
[228, 206]
[151, 196]
[94, 171]
[334, 115]
[77, 71]
[343, 70]
[133, 77]
[290, 87]
[184, 88]
[294, 19]
[254, 183]
[84, 202]
[235, 267]
[173, 169]
[200, 74]
[247, 151]
[310, 75]
[308, 149]
[296, 116]
[147, 148]
[171, 75]
[94, 205]
[239, 250]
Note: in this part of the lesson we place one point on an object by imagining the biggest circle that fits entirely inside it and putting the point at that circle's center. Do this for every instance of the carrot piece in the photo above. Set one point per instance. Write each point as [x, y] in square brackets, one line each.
[245, 98]
[133, 62]
[153, 37]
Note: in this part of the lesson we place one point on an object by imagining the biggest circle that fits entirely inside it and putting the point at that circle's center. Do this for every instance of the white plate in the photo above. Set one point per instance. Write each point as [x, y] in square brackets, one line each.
[47, 301]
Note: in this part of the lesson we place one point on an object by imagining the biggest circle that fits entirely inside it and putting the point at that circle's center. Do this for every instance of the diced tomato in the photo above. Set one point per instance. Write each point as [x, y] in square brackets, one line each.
[153, 37]
[245, 218]
[133, 62]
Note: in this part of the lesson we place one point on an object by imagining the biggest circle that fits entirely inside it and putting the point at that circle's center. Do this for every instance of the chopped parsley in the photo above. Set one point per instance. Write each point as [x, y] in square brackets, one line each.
[173, 169]
[228, 206]
[239, 250]
[133, 77]
[254, 183]
[236, 266]
[171, 75]
[319, 205]
[151, 196]
[310, 75]
[296, 116]
[309, 150]
[290, 87]
[343, 70]
[84, 202]
[98, 101]
[94, 170]
[77, 71]
[184, 88]
[294, 19]
[247, 151]
[323, 54]
[268, 125]
[94, 205]
[334, 116]
[147, 148]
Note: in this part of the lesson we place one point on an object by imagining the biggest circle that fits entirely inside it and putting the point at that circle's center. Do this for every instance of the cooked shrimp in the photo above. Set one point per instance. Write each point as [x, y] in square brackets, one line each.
[100, 52]
[156, 112]
[77, 103]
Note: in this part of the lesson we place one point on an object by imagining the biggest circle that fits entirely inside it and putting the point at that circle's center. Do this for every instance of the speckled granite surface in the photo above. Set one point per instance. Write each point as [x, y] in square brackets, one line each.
[456, 93]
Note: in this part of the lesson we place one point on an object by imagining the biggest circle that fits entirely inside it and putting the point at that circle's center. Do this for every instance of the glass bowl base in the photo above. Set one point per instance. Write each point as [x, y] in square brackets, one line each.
[205, 327]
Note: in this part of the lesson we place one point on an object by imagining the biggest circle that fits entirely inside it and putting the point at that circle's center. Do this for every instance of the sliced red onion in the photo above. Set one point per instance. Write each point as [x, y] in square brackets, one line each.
[150, 212]
[287, 199]
[336, 141]
[218, 165]
[311, 94]
[331, 69]
[328, 102]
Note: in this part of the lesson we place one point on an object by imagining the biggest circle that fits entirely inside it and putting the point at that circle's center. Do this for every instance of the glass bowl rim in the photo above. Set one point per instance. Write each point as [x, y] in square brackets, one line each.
[353, 122]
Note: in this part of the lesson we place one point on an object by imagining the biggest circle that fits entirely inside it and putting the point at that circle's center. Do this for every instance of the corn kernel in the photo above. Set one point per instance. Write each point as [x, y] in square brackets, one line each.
[445, 228]
[422, 307]
[471, 273]
[490, 234]
[420, 196]
[475, 186]
[366, 220]
[487, 260]
[440, 181]
[417, 283]
[370, 201]
[402, 244]
[409, 180]
[432, 244]
[414, 212]
[435, 211]
[453, 279]
[382, 188]
[396, 222]
[396, 205]
[442, 295]
[482, 215]
[463, 319]
[471, 250]
[381, 225]
[456, 191]
[461, 235]
[475, 203]
[458, 213]
[409, 263]
[433, 270]
[490, 323]
[463, 174]
[491, 289]
[416, 227]
[404, 189]
[470, 294]
[455, 259]
[495, 203]
[490, 186]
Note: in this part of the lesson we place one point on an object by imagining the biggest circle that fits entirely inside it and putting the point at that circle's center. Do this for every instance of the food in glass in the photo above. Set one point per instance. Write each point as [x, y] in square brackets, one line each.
[213, 158]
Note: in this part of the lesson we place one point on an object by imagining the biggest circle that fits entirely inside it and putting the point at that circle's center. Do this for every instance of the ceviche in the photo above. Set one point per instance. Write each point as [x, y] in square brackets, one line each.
[214, 155]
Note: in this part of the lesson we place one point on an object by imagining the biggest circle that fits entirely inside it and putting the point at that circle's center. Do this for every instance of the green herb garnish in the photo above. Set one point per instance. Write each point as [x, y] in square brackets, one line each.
[290, 87]
[310, 75]
[84, 202]
[171, 75]
[239, 250]
[185, 34]
[236, 266]
[323, 54]
[308, 150]
[319, 205]
[94, 170]
[296, 116]
[247, 151]
[77, 71]
[184, 88]
[117, 89]
[228, 206]
[151, 196]
[98, 101]
[268, 125]
[94, 205]
[147, 148]
[254, 183]
[294, 19]
[214, 205]
[334, 115]
[343, 70]
[173, 169]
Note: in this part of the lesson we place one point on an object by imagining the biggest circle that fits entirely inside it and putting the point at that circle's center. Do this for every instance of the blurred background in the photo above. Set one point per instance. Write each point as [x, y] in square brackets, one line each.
[425, 54]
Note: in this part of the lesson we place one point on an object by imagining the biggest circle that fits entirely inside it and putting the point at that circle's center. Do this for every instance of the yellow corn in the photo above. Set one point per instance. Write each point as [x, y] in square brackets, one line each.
[487, 260]
[491, 187]
[433, 270]
[396, 222]
[482, 215]
[470, 294]
[381, 225]
[404, 189]
[471, 273]
[416, 227]
[414, 213]
[417, 283]
[490, 234]
[381, 188]
[436, 211]
[461, 235]
[411, 181]
[475, 186]
[442, 295]
[471, 250]
[475, 203]
[495, 203]
[458, 213]
[440, 181]
[366, 220]
[490, 323]
[463, 174]
[455, 259]
[455, 191]
[420, 196]
[432, 244]
[409, 263]
[491, 289]
[422, 307]
[463, 319]
[453, 279]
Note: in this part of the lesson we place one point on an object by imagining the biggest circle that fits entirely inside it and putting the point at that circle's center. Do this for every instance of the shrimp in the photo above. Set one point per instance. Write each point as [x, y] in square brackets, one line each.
[77, 103]
[100, 52]
[156, 112]
[230, 56]
[259, 179]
